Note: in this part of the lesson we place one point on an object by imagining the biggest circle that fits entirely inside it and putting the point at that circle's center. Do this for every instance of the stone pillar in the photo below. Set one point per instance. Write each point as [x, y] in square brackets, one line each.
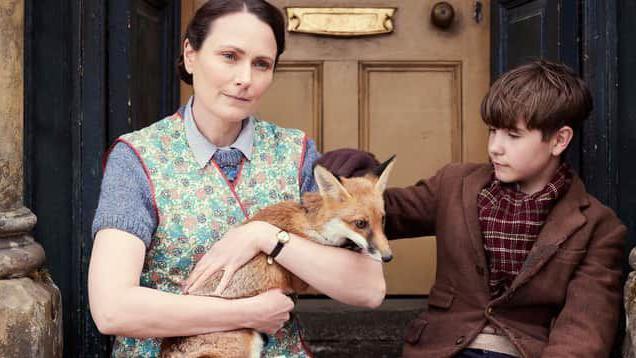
[629, 345]
[30, 304]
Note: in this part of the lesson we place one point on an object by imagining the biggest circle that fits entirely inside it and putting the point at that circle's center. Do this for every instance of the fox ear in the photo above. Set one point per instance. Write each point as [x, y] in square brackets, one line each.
[328, 184]
[383, 172]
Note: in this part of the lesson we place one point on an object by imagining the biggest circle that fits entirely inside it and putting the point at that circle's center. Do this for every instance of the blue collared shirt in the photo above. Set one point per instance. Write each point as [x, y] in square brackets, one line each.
[203, 149]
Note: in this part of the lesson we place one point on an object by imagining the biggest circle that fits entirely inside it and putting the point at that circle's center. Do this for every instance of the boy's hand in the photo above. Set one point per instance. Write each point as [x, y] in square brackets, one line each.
[348, 162]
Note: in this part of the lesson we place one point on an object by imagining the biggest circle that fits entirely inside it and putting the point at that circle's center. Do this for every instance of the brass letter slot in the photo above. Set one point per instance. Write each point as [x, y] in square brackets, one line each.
[340, 21]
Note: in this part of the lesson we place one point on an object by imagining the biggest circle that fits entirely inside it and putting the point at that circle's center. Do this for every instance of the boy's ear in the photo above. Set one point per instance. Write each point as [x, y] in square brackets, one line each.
[328, 184]
[561, 140]
[383, 171]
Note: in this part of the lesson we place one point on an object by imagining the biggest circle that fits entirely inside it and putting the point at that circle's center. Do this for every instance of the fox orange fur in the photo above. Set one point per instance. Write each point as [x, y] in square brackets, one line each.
[346, 213]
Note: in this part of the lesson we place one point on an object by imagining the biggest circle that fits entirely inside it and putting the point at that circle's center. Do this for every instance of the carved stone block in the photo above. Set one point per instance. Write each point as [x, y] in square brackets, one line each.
[30, 317]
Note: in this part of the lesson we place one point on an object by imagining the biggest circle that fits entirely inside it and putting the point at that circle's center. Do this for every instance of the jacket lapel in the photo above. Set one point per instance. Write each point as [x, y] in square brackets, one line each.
[472, 185]
[564, 219]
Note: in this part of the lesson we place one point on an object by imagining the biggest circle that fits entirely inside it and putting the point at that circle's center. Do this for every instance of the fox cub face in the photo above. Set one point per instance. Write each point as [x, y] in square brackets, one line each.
[352, 211]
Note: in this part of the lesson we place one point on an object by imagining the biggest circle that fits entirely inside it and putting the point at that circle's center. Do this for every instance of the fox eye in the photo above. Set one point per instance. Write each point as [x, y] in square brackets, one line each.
[361, 224]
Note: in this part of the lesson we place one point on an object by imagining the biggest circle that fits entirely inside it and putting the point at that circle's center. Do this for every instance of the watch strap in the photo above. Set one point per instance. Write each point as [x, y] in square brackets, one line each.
[279, 246]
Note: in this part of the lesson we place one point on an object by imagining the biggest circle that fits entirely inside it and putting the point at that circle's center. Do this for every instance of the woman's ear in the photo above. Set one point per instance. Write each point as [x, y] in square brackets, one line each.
[189, 56]
[561, 140]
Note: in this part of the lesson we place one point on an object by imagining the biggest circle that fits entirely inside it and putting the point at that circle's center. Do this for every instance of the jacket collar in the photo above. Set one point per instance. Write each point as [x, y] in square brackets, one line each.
[564, 219]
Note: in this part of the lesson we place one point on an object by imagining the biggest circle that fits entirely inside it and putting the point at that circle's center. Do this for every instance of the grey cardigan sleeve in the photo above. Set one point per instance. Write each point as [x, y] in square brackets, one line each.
[125, 200]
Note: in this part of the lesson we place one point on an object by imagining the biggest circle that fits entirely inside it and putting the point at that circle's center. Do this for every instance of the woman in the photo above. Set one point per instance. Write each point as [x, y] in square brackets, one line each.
[172, 191]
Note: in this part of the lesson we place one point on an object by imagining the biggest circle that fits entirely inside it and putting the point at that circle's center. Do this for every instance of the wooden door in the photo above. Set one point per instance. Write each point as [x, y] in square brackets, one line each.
[414, 91]
[143, 43]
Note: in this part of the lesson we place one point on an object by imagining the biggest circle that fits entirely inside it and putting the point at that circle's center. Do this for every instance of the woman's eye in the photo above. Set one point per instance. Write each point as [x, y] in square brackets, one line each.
[513, 135]
[263, 65]
[361, 224]
[229, 56]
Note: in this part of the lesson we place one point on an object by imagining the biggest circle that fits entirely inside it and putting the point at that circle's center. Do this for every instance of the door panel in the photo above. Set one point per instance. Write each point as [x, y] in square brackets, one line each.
[414, 105]
[301, 86]
[414, 92]
[411, 110]
[526, 31]
[143, 42]
[147, 66]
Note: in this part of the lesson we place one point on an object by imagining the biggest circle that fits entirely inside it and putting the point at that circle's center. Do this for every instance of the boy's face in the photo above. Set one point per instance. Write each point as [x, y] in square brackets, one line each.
[521, 155]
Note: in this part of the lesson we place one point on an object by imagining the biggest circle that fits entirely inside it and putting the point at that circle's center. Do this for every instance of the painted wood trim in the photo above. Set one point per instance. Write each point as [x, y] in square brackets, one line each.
[315, 68]
[599, 167]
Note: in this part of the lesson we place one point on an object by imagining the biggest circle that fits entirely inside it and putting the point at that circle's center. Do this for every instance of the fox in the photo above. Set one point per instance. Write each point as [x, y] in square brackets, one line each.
[345, 212]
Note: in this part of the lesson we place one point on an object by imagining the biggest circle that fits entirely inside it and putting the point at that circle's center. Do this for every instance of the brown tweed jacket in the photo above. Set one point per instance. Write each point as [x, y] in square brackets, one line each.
[566, 300]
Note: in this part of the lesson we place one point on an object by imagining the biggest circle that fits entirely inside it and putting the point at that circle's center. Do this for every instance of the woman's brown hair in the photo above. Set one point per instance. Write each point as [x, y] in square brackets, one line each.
[199, 27]
[546, 95]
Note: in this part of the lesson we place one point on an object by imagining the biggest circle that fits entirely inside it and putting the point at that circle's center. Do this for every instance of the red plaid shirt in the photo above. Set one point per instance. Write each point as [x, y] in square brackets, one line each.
[510, 224]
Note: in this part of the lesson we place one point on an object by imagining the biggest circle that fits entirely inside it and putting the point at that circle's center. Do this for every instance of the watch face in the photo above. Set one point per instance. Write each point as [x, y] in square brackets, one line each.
[283, 237]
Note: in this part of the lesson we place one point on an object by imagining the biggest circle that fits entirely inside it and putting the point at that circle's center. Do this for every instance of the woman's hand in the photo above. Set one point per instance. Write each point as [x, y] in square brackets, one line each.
[235, 249]
[271, 311]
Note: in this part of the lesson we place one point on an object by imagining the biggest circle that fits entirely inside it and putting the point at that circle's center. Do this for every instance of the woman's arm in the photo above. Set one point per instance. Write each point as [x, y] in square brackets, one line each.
[119, 306]
[346, 276]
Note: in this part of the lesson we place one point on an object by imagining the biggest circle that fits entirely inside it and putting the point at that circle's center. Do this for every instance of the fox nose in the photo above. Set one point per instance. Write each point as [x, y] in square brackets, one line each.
[387, 258]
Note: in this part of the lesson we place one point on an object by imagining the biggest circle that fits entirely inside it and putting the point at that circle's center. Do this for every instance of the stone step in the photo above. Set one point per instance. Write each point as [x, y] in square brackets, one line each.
[333, 329]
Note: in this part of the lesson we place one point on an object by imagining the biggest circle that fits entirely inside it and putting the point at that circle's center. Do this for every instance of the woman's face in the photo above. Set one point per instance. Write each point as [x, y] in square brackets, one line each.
[233, 67]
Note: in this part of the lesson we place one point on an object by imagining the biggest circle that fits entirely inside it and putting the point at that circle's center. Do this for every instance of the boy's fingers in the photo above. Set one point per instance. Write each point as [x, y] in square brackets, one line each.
[333, 160]
[348, 162]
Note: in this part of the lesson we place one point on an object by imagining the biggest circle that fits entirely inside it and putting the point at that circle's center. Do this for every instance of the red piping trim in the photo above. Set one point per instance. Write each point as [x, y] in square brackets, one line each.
[238, 200]
[152, 186]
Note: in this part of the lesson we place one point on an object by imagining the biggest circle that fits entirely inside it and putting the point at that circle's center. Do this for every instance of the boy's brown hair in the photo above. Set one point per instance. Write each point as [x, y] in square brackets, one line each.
[545, 94]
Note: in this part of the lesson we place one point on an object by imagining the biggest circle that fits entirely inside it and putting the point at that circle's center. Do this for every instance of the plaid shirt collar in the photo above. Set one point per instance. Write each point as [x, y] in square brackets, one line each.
[510, 222]
[558, 185]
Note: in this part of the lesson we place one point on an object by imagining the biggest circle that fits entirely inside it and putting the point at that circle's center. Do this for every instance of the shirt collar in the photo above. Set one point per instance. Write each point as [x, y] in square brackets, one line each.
[201, 147]
[557, 187]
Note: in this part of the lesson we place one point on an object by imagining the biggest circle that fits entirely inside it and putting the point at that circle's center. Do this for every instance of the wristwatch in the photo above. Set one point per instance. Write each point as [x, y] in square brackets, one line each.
[283, 238]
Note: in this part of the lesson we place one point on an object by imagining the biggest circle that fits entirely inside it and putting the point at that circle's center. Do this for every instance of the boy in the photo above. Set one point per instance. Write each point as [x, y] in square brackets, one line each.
[529, 264]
